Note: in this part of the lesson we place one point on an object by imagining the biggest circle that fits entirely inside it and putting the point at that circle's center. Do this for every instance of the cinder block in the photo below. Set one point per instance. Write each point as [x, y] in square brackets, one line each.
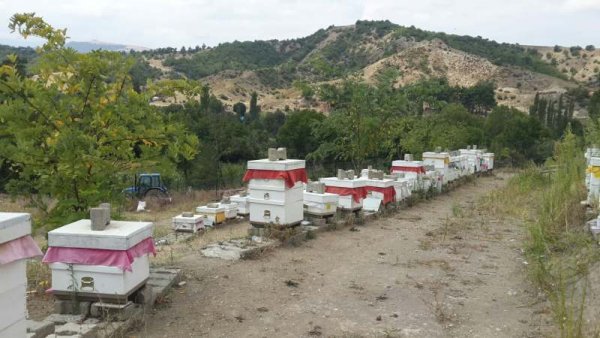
[108, 311]
[277, 154]
[65, 307]
[99, 218]
[84, 308]
[145, 297]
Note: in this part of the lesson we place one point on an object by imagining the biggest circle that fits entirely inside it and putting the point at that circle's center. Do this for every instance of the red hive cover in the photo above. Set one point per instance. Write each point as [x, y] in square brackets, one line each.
[420, 170]
[357, 193]
[290, 176]
[389, 193]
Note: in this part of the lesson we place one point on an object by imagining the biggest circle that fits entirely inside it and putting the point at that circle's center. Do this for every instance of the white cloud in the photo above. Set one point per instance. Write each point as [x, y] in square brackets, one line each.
[155, 23]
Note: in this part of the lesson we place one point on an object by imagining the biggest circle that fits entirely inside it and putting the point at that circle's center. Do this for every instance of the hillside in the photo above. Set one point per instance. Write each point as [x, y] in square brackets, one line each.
[23, 52]
[367, 49]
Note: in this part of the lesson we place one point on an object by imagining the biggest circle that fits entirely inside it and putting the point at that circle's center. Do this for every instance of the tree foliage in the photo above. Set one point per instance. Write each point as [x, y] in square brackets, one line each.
[72, 131]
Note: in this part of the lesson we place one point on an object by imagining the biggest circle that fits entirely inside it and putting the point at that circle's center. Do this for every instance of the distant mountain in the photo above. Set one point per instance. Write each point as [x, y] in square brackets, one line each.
[88, 46]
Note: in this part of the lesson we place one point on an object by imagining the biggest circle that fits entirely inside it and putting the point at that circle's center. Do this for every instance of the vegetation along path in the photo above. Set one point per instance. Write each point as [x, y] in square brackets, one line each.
[442, 268]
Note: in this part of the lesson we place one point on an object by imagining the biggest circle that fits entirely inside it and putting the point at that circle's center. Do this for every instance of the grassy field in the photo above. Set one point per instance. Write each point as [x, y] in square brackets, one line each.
[560, 251]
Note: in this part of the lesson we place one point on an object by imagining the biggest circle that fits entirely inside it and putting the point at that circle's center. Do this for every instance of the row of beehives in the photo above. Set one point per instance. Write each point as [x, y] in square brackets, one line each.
[279, 193]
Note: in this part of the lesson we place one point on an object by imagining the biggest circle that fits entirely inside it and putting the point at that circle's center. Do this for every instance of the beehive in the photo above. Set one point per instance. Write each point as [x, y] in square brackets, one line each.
[214, 212]
[488, 161]
[186, 223]
[91, 276]
[243, 207]
[14, 233]
[351, 191]
[475, 159]
[275, 188]
[441, 162]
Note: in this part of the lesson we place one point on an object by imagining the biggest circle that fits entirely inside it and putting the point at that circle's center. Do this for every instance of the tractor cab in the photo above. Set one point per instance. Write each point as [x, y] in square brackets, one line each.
[148, 186]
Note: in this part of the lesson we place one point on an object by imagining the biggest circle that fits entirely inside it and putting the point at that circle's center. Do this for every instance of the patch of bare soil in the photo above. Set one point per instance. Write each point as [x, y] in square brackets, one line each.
[442, 268]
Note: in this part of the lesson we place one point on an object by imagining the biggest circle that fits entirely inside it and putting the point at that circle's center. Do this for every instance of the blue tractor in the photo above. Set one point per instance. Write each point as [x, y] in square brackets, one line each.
[150, 188]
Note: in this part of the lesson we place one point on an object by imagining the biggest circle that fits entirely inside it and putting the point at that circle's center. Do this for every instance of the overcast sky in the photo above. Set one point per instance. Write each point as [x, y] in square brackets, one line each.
[176, 23]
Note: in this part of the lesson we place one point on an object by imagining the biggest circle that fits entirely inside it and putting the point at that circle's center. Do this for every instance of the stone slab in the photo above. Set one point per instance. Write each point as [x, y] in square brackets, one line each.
[36, 329]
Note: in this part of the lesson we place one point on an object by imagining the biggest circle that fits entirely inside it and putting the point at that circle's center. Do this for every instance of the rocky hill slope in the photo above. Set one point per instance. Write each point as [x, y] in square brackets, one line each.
[369, 49]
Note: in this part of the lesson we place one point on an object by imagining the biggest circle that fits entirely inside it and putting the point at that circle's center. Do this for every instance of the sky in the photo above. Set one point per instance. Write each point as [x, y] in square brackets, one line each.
[176, 23]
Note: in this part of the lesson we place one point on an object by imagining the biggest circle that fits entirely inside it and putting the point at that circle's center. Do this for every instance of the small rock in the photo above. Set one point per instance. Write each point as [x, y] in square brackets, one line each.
[262, 309]
[291, 283]
[378, 318]
[182, 283]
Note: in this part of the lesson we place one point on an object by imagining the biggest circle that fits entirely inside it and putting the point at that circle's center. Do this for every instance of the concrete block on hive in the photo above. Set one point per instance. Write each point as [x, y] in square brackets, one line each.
[375, 174]
[100, 217]
[277, 154]
[316, 187]
[408, 157]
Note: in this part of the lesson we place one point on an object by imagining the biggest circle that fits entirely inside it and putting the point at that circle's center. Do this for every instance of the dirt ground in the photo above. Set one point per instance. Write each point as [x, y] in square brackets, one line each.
[439, 269]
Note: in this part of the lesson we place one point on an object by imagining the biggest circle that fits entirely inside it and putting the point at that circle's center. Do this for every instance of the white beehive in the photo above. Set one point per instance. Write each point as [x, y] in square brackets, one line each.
[231, 209]
[594, 185]
[13, 280]
[441, 162]
[488, 160]
[410, 169]
[271, 200]
[462, 163]
[243, 207]
[98, 280]
[191, 223]
[384, 184]
[324, 204]
[435, 177]
[105, 280]
[402, 188]
[474, 158]
[214, 212]
[346, 202]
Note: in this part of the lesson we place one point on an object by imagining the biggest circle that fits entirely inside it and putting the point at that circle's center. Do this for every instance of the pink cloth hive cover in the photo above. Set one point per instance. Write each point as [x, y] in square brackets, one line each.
[117, 258]
[20, 248]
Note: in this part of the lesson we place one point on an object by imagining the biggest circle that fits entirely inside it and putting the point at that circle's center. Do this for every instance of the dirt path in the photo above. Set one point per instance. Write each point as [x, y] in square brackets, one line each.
[439, 269]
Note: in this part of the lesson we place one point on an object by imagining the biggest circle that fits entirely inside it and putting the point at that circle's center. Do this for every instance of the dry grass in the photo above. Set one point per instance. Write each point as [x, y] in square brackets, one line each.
[171, 254]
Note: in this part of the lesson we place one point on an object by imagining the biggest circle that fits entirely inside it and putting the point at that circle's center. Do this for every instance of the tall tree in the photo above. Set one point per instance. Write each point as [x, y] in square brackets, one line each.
[254, 108]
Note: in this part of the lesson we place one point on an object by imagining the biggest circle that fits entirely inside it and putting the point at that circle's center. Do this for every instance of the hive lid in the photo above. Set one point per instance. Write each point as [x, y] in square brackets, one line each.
[193, 218]
[205, 209]
[335, 182]
[282, 165]
[14, 225]
[441, 155]
[118, 235]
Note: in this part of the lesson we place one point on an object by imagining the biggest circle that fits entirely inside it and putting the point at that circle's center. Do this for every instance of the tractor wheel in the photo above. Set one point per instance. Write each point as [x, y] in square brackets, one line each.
[156, 199]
